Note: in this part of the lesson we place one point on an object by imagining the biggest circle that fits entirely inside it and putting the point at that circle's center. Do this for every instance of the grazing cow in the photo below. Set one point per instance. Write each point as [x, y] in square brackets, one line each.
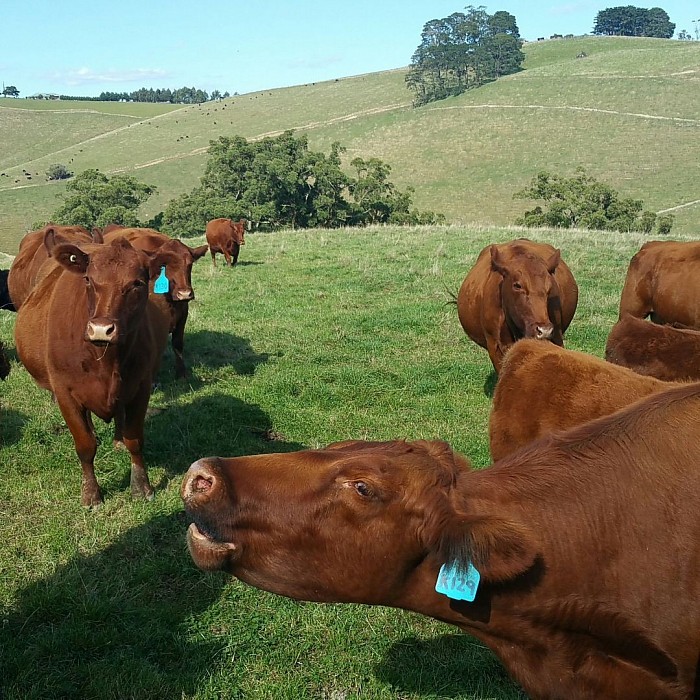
[225, 236]
[574, 560]
[33, 253]
[5, 300]
[666, 352]
[543, 388]
[519, 289]
[178, 259]
[89, 334]
[663, 282]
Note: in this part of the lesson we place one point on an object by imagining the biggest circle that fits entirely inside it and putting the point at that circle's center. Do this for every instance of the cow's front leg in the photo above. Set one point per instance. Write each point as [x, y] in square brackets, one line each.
[132, 436]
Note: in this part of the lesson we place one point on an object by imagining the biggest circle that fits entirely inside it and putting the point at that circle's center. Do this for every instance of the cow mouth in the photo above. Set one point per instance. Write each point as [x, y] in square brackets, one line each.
[208, 553]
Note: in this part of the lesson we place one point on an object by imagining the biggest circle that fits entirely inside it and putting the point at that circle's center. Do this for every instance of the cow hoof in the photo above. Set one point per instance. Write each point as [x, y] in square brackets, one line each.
[92, 500]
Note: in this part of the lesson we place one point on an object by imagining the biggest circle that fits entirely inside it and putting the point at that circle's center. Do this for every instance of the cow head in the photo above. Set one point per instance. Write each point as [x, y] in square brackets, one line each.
[116, 284]
[178, 259]
[527, 290]
[238, 231]
[354, 522]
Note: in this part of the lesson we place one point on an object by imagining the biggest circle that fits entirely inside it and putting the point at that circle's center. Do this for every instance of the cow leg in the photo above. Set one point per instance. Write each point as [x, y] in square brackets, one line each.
[118, 441]
[235, 251]
[227, 257]
[80, 425]
[178, 342]
[495, 353]
[132, 436]
[213, 256]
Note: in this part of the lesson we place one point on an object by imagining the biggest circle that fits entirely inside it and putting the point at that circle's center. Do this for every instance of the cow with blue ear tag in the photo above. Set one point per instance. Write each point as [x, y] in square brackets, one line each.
[89, 333]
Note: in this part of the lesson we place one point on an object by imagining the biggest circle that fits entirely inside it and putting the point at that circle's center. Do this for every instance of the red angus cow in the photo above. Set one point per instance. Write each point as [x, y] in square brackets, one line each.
[663, 283]
[32, 254]
[586, 543]
[178, 259]
[520, 289]
[225, 236]
[543, 388]
[665, 352]
[89, 334]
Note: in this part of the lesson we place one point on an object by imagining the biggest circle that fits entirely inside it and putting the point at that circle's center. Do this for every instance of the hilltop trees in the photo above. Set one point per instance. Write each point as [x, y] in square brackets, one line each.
[278, 182]
[96, 200]
[463, 51]
[634, 21]
[10, 91]
[583, 202]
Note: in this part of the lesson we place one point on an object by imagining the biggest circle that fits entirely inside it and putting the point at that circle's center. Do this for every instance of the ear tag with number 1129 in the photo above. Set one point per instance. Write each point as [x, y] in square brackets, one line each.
[458, 583]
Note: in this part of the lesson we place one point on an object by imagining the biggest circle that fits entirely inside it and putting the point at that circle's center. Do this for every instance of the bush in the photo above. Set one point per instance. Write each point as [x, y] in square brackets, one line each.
[58, 171]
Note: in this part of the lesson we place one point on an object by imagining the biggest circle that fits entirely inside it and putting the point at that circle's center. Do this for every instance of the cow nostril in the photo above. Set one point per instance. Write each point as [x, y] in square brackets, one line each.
[110, 330]
[201, 484]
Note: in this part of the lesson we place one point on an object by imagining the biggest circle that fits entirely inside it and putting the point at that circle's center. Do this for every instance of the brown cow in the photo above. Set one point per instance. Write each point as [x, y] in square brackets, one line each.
[5, 299]
[586, 543]
[663, 282]
[89, 334]
[225, 236]
[520, 289]
[32, 254]
[543, 388]
[178, 259]
[666, 352]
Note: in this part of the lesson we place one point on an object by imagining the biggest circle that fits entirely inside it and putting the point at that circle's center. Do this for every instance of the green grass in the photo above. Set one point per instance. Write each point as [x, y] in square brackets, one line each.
[316, 336]
[627, 113]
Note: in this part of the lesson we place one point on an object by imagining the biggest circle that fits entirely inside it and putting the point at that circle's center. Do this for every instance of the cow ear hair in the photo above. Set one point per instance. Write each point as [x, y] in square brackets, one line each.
[199, 251]
[553, 261]
[71, 257]
[497, 264]
[499, 548]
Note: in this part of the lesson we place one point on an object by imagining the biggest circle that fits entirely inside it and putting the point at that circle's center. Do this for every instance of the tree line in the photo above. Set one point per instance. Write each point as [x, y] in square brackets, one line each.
[634, 21]
[463, 51]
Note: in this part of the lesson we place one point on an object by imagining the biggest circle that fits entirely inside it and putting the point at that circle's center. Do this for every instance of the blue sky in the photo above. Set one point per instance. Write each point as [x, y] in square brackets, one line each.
[84, 47]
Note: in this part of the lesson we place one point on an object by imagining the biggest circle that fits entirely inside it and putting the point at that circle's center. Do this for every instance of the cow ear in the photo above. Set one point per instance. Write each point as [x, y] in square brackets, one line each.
[97, 236]
[49, 239]
[199, 251]
[497, 264]
[500, 549]
[71, 257]
[554, 261]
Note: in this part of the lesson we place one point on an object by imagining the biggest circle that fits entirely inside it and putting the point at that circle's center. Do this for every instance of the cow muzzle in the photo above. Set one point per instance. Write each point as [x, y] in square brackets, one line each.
[184, 295]
[102, 331]
[544, 332]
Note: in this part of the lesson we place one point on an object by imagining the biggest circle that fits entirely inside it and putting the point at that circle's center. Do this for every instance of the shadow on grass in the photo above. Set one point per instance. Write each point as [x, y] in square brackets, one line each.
[211, 425]
[113, 624]
[490, 383]
[450, 666]
[11, 426]
[215, 349]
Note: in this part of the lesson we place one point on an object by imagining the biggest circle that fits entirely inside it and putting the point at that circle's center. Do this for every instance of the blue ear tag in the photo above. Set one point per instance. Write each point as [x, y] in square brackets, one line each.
[162, 284]
[457, 583]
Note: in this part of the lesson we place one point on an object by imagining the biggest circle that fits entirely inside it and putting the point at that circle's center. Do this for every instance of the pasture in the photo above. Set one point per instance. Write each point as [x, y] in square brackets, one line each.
[627, 113]
[315, 336]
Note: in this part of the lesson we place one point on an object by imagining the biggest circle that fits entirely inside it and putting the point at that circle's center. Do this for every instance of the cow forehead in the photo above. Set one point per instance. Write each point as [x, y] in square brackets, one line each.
[115, 262]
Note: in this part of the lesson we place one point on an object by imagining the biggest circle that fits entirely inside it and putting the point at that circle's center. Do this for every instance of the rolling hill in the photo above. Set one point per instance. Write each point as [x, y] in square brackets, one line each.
[627, 112]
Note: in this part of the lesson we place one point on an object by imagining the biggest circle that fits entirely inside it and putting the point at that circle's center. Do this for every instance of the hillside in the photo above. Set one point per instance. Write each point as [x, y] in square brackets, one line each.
[626, 112]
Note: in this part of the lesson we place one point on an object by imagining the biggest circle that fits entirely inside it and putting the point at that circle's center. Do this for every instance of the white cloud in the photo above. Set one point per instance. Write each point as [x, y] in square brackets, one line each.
[84, 76]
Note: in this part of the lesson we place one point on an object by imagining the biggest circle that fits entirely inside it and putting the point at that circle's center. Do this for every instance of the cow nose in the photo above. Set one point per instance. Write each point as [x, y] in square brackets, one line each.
[544, 332]
[185, 295]
[101, 331]
[200, 482]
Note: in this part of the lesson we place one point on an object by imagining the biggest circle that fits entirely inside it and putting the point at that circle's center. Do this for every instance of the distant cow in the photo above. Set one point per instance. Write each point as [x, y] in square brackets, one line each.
[543, 388]
[225, 236]
[663, 283]
[520, 289]
[178, 259]
[5, 300]
[32, 254]
[4, 362]
[662, 351]
[89, 334]
[574, 560]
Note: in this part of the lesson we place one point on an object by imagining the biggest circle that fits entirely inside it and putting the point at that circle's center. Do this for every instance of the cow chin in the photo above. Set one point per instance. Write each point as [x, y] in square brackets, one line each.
[208, 554]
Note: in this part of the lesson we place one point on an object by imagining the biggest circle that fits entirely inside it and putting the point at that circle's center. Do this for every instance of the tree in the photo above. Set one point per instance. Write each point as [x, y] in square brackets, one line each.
[93, 199]
[583, 202]
[58, 171]
[634, 21]
[683, 35]
[10, 91]
[463, 51]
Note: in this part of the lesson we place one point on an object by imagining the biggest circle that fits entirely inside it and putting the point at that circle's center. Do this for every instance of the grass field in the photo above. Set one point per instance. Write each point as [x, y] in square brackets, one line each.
[316, 336]
[627, 113]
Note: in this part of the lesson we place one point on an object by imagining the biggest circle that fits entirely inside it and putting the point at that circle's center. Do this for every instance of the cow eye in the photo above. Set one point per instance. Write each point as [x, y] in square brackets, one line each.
[517, 286]
[363, 489]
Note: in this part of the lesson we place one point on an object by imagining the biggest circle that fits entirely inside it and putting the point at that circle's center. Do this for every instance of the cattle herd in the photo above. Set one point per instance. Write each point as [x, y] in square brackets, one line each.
[575, 556]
